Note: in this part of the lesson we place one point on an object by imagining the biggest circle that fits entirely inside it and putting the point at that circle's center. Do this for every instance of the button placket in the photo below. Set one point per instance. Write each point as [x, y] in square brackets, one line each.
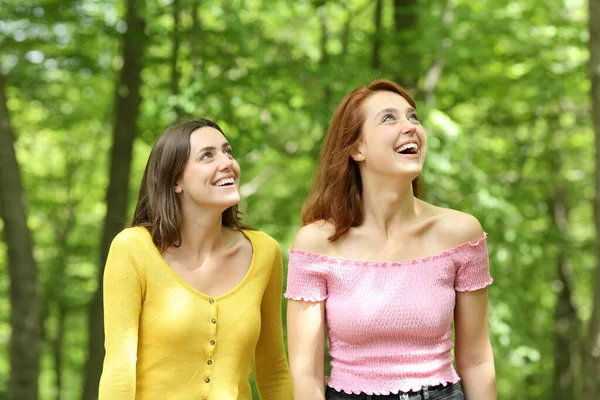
[212, 342]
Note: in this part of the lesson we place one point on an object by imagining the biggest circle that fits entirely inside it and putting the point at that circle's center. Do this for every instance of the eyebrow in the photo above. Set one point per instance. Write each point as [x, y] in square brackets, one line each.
[394, 110]
[212, 148]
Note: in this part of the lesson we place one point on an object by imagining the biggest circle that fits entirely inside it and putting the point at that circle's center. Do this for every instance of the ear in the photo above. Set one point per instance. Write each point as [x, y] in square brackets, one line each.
[177, 188]
[358, 155]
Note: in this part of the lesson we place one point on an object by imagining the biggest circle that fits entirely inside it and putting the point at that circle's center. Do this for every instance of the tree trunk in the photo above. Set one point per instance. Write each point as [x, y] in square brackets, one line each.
[324, 65]
[345, 38]
[592, 351]
[376, 57]
[24, 296]
[405, 25]
[127, 102]
[194, 38]
[176, 43]
[56, 296]
[567, 325]
[324, 62]
[57, 350]
[434, 73]
[566, 344]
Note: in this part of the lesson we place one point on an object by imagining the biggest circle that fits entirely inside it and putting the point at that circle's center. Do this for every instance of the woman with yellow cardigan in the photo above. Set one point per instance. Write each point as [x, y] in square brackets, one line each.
[191, 295]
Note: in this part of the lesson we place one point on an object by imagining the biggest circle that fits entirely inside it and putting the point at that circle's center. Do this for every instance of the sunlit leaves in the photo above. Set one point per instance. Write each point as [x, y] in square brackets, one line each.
[507, 124]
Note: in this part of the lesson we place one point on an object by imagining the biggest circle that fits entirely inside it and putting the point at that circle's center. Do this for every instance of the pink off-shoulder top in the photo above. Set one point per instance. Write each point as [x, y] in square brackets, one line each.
[389, 323]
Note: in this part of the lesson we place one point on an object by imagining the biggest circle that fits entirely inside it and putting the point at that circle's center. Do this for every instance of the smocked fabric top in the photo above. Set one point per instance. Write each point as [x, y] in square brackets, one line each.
[389, 323]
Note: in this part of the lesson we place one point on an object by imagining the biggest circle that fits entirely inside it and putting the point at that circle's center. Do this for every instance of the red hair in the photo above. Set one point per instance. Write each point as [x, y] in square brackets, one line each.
[336, 196]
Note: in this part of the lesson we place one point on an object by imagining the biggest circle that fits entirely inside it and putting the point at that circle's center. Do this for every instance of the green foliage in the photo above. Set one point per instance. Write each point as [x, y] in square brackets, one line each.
[507, 124]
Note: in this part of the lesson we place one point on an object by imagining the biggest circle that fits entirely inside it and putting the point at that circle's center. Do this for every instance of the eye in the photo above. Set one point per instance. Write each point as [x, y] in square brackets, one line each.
[413, 117]
[206, 156]
[228, 152]
[388, 117]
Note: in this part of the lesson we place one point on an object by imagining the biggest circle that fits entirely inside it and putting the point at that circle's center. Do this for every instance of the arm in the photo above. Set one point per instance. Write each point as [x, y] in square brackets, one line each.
[306, 293]
[122, 306]
[272, 371]
[305, 329]
[473, 351]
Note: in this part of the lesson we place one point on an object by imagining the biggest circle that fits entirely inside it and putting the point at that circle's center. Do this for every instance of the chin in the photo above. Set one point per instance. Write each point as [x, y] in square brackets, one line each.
[231, 201]
[412, 172]
[222, 202]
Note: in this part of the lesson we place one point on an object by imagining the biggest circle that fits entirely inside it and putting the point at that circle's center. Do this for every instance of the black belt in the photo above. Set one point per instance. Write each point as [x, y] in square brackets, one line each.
[425, 393]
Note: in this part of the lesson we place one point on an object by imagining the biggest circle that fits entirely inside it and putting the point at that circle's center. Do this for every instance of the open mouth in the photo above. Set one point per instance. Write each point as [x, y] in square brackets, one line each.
[224, 182]
[408, 148]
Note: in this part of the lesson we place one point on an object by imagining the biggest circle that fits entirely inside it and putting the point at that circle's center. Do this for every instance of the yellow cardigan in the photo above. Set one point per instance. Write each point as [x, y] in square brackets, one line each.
[167, 341]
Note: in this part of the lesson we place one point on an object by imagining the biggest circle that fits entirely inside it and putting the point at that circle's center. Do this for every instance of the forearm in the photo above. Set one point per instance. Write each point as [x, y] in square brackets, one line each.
[306, 344]
[308, 387]
[479, 381]
[272, 371]
[473, 350]
[117, 383]
[273, 377]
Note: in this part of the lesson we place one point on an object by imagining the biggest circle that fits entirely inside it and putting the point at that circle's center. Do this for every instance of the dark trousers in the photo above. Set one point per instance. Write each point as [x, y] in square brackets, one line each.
[439, 392]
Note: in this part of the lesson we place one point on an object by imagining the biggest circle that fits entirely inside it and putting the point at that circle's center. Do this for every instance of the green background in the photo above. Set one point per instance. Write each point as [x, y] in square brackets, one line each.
[502, 88]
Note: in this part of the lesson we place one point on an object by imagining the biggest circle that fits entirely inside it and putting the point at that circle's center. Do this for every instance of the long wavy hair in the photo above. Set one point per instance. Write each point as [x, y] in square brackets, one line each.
[336, 195]
[158, 208]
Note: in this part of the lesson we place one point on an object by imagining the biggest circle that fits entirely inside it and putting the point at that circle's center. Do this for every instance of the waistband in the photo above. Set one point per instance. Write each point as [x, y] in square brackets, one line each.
[426, 392]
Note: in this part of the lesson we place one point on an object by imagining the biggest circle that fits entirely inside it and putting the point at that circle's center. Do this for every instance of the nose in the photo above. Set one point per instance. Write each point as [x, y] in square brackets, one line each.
[408, 128]
[226, 163]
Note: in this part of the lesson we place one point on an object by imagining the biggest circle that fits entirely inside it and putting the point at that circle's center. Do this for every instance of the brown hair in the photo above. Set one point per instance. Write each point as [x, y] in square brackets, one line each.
[336, 195]
[157, 207]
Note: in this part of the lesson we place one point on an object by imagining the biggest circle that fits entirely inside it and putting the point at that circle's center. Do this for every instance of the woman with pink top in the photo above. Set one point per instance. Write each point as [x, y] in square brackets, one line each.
[386, 273]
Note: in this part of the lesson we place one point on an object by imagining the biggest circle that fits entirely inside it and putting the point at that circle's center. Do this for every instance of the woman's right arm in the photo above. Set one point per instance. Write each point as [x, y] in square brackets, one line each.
[306, 336]
[123, 293]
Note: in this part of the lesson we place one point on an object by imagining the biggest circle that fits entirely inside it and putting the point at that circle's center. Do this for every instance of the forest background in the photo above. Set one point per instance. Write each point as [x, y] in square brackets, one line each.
[508, 91]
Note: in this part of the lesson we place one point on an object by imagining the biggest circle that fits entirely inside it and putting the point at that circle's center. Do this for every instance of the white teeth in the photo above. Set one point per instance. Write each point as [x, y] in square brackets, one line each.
[224, 181]
[407, 146]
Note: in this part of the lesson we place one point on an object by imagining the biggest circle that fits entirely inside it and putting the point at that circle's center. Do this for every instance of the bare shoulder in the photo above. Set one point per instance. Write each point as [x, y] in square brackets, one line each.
[314, 237]
[457, 227]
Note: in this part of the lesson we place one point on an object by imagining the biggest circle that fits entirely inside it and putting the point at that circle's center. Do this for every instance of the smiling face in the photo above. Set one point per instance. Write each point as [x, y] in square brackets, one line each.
[393, 142]
[211, 174]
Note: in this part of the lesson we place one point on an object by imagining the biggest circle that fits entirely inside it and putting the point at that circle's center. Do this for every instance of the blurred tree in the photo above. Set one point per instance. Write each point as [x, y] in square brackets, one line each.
[24, 296]
[592, 350]
[127, 103]
[502, 89]
[567, 324]
[176, 44]
[407, 55]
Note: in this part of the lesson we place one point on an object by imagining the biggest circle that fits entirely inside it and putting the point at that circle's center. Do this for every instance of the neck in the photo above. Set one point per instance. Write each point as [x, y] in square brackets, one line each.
[386, 207]
[201, 233]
